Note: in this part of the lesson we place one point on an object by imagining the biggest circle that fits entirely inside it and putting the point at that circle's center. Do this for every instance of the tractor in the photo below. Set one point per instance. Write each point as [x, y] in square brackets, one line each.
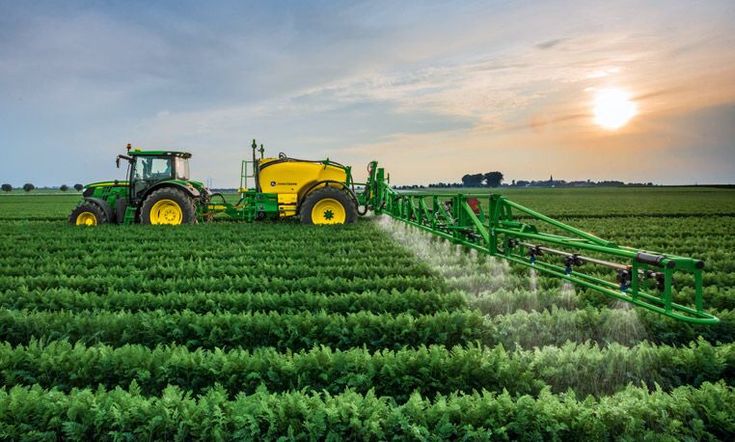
[158, 191]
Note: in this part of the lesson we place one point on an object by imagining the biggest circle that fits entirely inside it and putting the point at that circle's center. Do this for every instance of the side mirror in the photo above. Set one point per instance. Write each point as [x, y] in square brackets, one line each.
[122, 157]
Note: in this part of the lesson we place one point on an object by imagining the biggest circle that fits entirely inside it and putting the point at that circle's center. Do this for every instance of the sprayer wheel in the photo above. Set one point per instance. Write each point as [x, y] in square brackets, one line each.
[328, 205]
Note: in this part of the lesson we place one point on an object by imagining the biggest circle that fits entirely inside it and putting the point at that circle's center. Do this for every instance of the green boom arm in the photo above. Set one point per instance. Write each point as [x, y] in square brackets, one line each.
[646, 279]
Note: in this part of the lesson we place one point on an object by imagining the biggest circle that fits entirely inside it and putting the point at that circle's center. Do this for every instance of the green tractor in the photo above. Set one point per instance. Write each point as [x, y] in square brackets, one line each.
[157, 191]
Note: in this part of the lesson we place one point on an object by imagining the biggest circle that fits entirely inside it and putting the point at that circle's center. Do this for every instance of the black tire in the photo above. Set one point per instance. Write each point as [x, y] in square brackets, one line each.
[87, 209]
[185, 202]
[328, 192]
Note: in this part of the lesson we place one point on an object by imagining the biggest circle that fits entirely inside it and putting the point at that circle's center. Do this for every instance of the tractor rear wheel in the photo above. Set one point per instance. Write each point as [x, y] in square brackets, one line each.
[328, 205]
[87, 214]
[168, 206]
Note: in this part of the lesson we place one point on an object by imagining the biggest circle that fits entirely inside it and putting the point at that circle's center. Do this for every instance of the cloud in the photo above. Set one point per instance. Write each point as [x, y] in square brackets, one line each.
[548, 44]
[323, 78]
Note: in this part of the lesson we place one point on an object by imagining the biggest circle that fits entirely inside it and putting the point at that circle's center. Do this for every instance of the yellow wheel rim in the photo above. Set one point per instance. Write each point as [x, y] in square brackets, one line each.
[86, 219]
[328, 211]
[166, 212]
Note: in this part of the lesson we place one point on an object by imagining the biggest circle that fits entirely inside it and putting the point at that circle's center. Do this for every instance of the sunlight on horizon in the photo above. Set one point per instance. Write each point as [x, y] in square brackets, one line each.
[613, 108]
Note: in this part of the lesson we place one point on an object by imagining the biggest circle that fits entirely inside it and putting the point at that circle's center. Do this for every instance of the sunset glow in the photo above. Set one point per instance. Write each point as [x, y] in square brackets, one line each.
[613, 108]
[520, 87]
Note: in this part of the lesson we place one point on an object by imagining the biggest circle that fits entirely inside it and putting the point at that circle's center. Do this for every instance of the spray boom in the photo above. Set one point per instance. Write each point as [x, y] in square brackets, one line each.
[499, 227]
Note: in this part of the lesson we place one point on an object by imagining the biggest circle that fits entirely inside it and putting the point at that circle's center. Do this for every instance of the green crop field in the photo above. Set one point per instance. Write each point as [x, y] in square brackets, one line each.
[367, 331]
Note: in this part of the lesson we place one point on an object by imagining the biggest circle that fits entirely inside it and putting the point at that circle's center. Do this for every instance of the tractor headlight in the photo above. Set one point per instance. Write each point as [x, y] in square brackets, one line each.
[88, 192]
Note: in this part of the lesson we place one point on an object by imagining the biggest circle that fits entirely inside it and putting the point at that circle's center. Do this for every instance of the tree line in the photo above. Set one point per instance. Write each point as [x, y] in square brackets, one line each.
[489, 179]
[495, 179]
[29, 187]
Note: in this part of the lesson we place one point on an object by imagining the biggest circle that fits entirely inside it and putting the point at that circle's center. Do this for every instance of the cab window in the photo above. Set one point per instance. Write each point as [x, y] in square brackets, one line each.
[182, 168]
[153, 168]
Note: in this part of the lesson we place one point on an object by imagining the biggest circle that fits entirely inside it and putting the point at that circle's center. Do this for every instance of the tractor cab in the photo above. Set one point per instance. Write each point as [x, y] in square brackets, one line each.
[149, 168]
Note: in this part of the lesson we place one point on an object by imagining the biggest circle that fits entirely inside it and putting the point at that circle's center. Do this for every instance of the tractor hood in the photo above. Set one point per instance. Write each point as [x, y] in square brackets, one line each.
[114, 183]
[101, 189]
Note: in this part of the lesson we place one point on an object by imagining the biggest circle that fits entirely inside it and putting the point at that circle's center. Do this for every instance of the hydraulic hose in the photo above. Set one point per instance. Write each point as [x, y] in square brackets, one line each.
[224, 201]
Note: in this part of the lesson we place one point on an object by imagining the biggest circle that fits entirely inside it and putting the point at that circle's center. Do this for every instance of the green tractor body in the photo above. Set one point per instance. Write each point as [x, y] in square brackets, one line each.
[157, 190]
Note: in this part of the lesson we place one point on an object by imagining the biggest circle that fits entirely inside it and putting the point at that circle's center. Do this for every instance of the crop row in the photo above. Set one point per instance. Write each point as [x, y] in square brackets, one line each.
[236, 283]
[634, 413]
[239, 245]
[381, 301]
[248, 330]
[192, 270]
[217, 235]
[494, 297]
[305, 329]
[585, 368]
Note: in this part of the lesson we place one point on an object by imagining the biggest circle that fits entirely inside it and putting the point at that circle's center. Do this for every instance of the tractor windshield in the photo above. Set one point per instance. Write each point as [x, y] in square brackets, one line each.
[153, 168]
[182, 168]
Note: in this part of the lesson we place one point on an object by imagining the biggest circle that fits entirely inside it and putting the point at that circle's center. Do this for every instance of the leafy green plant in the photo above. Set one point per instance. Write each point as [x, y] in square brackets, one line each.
[634, 413]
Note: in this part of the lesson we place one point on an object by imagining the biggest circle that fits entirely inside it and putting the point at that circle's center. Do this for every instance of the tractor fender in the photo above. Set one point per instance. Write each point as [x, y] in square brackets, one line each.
[314, 186]
[188, 189]
[104, 205]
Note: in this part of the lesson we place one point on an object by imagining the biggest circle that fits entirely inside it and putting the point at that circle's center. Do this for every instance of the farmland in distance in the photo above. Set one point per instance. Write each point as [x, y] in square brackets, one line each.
[372, 330]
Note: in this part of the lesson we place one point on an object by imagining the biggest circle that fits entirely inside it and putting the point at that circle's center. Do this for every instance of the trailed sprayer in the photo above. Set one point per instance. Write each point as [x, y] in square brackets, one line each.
[158, 190]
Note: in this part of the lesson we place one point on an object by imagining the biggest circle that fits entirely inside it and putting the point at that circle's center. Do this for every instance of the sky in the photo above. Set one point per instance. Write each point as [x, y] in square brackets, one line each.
[432, 90]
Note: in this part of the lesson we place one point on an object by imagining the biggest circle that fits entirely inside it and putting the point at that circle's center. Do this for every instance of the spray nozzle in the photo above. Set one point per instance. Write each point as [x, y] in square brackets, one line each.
[571, 261]
[624, 279]
[533, 252]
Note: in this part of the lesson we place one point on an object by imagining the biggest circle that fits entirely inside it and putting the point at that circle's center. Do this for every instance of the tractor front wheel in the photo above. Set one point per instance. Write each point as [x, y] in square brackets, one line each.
[328, 205]
[168, 206]
[87, 214]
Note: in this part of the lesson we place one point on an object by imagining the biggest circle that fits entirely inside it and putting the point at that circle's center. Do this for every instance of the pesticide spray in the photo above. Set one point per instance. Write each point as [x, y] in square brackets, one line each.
[469, 272]
[487, 282]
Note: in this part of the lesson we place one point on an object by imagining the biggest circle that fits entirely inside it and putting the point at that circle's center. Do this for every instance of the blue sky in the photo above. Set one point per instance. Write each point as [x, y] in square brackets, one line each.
[431, 90]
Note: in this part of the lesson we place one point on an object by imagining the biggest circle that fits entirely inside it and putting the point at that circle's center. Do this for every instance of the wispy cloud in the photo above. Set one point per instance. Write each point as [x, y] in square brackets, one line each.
[511, 83]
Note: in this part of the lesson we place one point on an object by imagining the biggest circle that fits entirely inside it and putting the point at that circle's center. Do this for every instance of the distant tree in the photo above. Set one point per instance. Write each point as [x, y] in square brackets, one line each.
[28, 187]
[63, 188]
[474, 180]
[7, 188]
[78, 187]
[493, 179]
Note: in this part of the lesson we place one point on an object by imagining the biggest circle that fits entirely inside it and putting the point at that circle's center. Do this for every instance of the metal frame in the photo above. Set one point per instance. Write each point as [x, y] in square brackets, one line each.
[645, 279]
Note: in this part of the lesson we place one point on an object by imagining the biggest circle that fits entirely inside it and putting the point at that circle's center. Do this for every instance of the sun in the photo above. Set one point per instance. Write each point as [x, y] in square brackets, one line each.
[613, 108]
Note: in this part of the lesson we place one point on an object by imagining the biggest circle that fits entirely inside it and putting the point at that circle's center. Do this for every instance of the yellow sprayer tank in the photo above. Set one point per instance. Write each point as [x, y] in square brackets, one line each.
[292, 179]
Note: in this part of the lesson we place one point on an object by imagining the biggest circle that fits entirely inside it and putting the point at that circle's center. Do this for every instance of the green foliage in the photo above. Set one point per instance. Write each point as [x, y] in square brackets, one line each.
[264, 331]
[634, 413]
[584, 368]
[247, 330]
[410, 300]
